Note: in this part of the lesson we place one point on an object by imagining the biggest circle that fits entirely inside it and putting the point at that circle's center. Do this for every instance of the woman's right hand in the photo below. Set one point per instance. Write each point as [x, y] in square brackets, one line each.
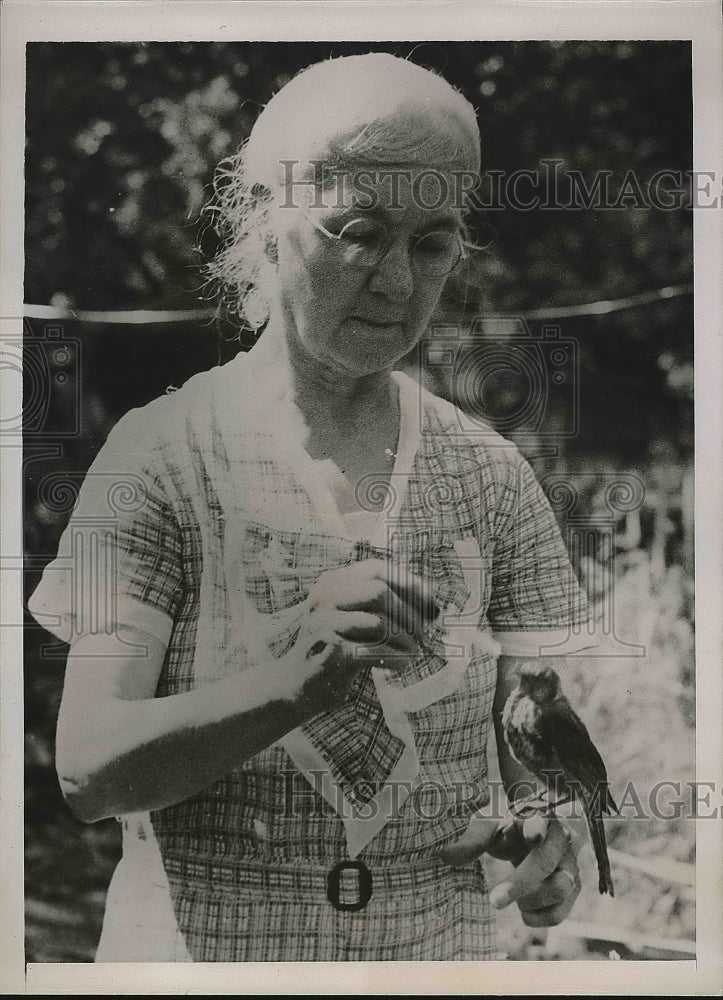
[121, 750]
[370, 613]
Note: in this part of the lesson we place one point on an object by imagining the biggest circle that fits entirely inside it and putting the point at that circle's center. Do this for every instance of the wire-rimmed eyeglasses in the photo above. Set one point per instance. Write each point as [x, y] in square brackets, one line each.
[364, 243]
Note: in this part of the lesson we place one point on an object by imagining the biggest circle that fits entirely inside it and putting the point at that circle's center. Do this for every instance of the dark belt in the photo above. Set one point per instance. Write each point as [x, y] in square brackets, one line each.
[346, 884]
[363, 886]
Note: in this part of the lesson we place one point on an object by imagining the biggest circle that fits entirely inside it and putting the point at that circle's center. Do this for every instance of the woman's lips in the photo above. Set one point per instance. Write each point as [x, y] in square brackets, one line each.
[376, 322]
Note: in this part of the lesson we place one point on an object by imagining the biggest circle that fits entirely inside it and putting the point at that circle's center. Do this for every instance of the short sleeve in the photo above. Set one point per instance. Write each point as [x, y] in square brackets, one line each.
[119, 560]
[536, 599]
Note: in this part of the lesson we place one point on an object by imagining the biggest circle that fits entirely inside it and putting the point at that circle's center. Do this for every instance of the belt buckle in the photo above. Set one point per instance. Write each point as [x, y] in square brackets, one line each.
[364, 886]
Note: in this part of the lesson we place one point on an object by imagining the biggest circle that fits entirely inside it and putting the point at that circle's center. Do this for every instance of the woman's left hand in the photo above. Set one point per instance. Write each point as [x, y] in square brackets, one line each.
[546, 880]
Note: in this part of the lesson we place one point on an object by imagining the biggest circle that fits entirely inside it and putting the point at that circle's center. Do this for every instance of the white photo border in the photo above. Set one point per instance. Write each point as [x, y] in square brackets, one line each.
[381, 20]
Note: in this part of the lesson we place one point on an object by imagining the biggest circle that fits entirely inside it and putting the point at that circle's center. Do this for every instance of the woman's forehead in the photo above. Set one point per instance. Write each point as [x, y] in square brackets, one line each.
[412, 159]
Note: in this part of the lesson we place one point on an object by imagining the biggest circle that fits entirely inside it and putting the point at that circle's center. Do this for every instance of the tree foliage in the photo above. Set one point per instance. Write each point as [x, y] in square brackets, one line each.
[123, 139]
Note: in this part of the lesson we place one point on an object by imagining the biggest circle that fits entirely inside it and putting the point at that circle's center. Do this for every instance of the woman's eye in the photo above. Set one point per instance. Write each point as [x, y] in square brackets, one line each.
[362, 233]
[436, 244]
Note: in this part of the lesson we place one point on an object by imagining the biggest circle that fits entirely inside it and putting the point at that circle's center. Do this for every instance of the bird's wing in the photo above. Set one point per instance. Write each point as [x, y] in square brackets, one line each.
[564, 730]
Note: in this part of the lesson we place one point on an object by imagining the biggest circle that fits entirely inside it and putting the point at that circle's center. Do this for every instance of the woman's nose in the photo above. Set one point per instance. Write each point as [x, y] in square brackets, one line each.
[393, 277]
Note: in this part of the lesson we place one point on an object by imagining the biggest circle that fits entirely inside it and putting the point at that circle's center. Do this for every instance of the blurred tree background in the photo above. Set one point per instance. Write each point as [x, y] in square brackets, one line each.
[122, 141]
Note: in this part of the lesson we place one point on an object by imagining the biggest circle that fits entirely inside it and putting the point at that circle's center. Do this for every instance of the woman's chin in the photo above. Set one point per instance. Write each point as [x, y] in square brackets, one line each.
[372, 346]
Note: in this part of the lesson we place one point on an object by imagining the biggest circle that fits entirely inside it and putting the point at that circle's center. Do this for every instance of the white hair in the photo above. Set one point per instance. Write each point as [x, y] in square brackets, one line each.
[365, 109]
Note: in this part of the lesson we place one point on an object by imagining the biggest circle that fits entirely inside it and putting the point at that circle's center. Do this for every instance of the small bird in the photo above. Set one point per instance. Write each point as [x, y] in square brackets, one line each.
[546, 736]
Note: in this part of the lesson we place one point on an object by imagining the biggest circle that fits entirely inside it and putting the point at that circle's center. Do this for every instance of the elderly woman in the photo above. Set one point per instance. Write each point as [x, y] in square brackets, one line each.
[314, 585]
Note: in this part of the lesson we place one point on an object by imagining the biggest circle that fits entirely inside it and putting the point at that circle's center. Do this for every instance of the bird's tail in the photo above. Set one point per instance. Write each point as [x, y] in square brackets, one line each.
[610, 806]
[599, 844]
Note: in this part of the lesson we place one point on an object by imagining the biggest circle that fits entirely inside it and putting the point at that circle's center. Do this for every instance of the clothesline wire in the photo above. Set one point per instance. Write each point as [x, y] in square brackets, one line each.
[606, 306]
[143, 317]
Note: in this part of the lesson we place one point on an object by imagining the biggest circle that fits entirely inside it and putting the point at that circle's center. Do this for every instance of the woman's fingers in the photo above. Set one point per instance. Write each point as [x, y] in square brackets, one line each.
[550, 917]
[539, 864]
[556, 894]
[359, 638]
[376, 598]
[481, 833]
[546, 883]
[554, 900]
[555, 889]
[414, 590]
[365, 629]
[372, 613]
[401, 599]
[534, 829]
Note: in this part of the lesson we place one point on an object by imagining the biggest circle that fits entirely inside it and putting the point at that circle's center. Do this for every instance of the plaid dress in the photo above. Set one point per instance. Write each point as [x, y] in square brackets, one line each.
[204, 522]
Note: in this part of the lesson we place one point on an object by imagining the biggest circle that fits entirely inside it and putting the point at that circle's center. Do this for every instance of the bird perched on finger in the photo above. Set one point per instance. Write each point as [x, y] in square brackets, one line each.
[545, 735]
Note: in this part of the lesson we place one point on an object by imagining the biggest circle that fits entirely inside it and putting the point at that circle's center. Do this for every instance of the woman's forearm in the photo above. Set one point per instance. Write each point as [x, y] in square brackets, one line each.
[121, 749]
[119, 756]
